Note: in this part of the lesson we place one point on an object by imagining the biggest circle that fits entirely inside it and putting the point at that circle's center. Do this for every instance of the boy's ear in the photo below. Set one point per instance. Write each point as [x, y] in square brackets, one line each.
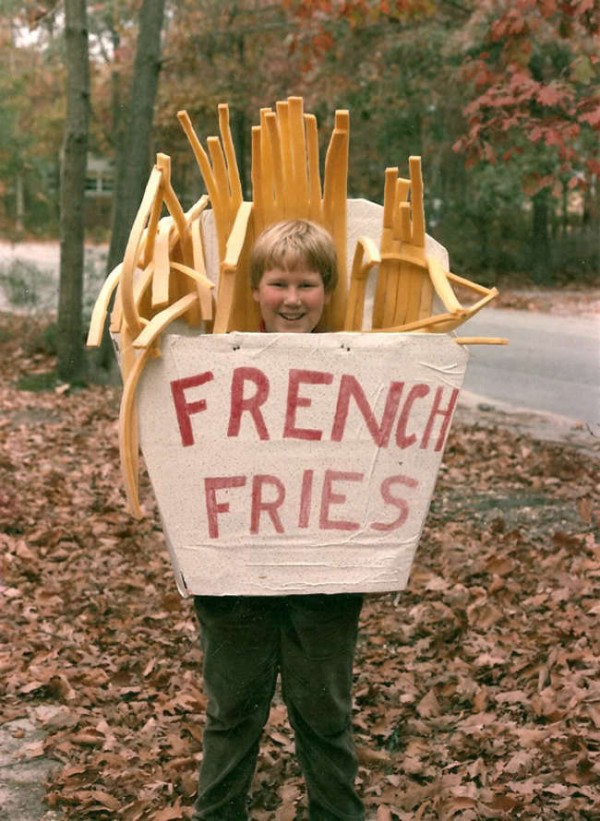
[327, 299]
[255, 295]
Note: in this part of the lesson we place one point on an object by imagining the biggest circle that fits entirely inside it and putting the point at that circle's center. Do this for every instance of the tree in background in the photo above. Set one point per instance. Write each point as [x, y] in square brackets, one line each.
[132, 124]
[70, 363]
[533, 69]
[134, 129]
[235, 52]
[31, 117]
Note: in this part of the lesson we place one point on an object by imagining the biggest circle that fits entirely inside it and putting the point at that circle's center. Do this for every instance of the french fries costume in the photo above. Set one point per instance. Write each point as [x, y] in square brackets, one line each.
[164, 276]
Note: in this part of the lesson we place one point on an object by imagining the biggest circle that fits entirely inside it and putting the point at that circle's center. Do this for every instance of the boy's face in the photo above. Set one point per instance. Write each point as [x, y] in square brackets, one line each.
[291, 301]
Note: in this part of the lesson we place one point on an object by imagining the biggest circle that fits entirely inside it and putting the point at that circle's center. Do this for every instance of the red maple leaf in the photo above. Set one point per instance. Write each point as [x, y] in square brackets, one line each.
[550, 96]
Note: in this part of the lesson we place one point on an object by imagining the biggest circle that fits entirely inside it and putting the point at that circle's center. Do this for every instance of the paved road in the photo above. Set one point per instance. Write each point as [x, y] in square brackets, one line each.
[551, 364]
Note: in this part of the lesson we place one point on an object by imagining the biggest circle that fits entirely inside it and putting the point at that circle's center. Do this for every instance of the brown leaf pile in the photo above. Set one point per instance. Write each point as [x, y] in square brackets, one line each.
[477, 688]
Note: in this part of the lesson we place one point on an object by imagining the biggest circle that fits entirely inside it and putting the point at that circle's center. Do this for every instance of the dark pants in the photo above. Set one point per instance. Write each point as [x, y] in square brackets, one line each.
[246, 641]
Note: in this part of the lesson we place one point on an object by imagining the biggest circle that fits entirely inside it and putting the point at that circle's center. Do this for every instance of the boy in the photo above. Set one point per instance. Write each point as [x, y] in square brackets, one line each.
[307, 639]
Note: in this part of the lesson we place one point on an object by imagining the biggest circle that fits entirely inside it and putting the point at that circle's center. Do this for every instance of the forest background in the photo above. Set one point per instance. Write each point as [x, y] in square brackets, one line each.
[500, 98]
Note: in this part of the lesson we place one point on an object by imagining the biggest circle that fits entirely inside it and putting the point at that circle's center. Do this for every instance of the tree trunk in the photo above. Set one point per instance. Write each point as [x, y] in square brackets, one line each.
[72, 195]
[133, 158]
[20, 204]
[134, 143]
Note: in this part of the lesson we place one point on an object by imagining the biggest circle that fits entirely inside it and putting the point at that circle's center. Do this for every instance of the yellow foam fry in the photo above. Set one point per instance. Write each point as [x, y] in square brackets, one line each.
[128, 444]
[162, 265]
[130, 259]
[391, 270]
[389, 192]
[272, 163]
[257, 190]
[298, 148]
[233, 175]
[203, 291]
[283, 125]
[197, 208]
[265, 182]
[366, 256]
[161, 320]
[100, 310]
[335, 173]
[216, 197]
[467, 283]
[442, 286]
[315, 210]
[163, 161]
[334, 213]
[116, 315]
[229, 268]
[402, 224]
[420, 324]
[481, 340]
[199, 265]
[141, 285]
[150, 233]
[217, 157]
[418, 210]
[128, 438]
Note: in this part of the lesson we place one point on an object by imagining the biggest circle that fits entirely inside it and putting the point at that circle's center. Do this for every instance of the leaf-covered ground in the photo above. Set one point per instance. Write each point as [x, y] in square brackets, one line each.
[477, 688]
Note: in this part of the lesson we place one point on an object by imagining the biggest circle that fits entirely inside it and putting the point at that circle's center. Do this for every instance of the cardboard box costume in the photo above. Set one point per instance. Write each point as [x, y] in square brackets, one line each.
[286, 463]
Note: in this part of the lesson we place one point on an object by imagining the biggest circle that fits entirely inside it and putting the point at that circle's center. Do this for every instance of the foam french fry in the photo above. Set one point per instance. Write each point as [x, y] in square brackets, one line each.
[161, 260]
[130, 260]
[366, 256]
[233, 175]
[442, 286]
[230, 267]
[204, 288]
[480, 340]
[300, 202]
[100, 310]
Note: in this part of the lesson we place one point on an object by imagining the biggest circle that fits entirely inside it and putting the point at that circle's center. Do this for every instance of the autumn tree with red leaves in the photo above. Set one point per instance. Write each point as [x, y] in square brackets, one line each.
[532, 67]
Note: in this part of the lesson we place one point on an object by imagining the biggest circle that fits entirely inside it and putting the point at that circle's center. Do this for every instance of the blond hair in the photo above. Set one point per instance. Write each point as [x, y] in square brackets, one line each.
[292, 245]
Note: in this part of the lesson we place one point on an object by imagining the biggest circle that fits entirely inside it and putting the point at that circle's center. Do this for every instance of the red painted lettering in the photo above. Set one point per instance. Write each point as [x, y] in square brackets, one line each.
[305, 498]
[185, 409]
[329, 498]
[213, 508]
[252, 404]
[295, 401]
[416, 392]
[395, 501]
[270, 507]
[445, 413]
[351, 388]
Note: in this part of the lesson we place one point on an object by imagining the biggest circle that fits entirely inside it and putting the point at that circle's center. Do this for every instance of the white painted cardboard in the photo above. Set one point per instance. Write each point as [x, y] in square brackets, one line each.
[289, 464]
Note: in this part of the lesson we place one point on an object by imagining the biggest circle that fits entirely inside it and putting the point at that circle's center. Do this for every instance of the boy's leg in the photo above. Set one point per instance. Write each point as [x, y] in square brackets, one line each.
[240, 642]
[317, 653]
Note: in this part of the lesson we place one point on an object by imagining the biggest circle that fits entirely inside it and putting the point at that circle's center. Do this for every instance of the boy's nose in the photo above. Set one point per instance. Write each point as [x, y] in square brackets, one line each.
[292, 296]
